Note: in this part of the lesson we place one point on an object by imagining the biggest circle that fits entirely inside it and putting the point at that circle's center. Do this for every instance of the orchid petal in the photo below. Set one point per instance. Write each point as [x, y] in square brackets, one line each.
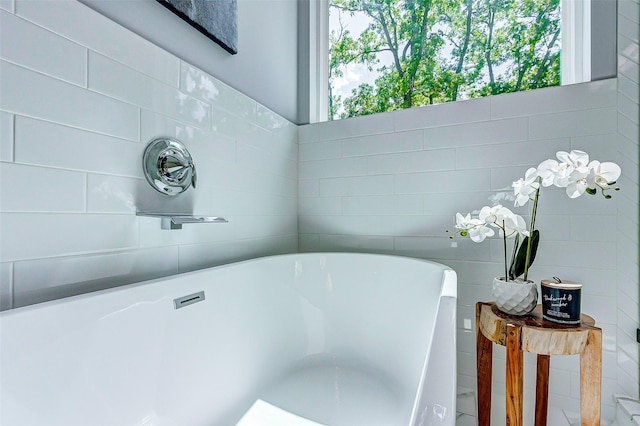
[575, 158]
[576, 188]
[609, 171]
[521, 200]
[531, 175]
[513, 225]
[462, 220]
[553, 173]
[523, 188]
[478, 234]
[486, 214]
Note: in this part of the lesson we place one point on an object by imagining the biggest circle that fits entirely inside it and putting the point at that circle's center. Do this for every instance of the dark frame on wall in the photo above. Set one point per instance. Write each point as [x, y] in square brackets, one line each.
[216, 19]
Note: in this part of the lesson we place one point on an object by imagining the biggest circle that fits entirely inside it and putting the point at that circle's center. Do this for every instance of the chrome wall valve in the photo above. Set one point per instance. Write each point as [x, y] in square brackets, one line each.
[168, 166]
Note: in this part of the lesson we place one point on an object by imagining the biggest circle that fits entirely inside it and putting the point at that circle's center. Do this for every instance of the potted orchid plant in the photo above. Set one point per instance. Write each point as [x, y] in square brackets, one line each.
[513, 291]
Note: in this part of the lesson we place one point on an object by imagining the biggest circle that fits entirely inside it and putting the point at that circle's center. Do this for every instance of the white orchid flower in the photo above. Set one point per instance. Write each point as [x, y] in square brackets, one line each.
[578, 160]
[466, 222]
[501, 217]
[572, 170]
[602, 174]
[553, 173]
[494, 215]
[475, 229]
[577, 184]
[490, 215]
[478, 234]
[513, 225]
[524, 187]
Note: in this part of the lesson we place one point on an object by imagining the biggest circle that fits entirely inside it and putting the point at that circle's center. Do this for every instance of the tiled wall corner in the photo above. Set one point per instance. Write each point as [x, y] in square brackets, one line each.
[81, 98]
[628, 307]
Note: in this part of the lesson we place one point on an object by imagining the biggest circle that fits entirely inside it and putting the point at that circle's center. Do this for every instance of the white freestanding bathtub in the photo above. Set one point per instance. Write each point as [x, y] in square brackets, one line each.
[320, 338]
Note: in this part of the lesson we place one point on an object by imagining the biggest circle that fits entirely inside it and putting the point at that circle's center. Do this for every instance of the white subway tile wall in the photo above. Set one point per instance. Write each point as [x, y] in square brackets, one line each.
[71, 20]
[66, 104]
[38, 49]
[627, 254]
[358, 193]
[81, 98]
[6, 136]
[7, 5]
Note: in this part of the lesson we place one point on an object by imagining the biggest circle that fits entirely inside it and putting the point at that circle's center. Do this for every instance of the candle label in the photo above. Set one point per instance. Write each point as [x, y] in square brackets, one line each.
[561, 305]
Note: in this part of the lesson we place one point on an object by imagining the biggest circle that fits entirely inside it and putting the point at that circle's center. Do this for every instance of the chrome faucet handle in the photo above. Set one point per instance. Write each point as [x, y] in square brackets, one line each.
[193, 175]
[168, 166]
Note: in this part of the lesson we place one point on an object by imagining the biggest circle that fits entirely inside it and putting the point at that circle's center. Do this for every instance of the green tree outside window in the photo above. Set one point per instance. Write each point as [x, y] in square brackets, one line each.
[433, 51]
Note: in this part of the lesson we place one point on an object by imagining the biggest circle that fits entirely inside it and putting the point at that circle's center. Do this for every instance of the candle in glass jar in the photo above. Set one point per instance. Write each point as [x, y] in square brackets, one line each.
[561, 301]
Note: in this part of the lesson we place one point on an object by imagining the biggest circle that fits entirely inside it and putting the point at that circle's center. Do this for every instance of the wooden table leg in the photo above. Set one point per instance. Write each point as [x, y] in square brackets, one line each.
[484, 358]
[591, 379]
[542, 390]
[514, 376]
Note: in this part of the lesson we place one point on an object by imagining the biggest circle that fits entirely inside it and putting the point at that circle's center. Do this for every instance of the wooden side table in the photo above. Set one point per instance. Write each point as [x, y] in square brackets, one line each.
[531, 333]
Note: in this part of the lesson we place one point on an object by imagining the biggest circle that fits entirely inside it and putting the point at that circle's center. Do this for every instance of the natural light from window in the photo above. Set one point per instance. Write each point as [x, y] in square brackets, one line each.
[386, 55]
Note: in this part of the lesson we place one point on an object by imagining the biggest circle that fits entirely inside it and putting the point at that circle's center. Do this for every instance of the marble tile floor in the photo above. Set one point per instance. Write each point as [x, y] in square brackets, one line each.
[466, 412]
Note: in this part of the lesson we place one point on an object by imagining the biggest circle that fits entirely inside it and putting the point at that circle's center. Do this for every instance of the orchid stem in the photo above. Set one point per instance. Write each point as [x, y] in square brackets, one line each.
[504, 243]
[534, 211]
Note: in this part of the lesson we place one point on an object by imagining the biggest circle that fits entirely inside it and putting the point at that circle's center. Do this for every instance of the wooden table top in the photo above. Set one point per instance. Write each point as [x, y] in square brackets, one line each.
[538, 335]
[534, 319]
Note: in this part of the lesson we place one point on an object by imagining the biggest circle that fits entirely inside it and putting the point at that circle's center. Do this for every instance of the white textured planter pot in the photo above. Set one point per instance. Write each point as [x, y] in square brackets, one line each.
[515, 298]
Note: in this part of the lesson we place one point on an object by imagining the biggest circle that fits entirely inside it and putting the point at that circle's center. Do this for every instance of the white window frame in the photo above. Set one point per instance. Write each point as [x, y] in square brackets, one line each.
[319, 66]
[575, 57]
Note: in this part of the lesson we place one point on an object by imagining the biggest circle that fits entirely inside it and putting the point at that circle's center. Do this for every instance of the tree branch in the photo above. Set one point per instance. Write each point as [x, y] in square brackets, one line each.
[465, 45]
[542, 68]
[387, 37]
[487, 51]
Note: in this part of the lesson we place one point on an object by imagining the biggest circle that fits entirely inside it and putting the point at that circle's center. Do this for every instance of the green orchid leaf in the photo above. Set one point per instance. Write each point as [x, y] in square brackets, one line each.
[516, 243]
[517, 267]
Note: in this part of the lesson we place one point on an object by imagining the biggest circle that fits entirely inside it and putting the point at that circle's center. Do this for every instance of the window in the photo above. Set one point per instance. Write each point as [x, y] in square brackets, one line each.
[385, 55]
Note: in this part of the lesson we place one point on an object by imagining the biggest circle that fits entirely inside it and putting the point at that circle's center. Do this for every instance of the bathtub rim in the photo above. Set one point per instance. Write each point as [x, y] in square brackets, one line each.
[447, 289]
